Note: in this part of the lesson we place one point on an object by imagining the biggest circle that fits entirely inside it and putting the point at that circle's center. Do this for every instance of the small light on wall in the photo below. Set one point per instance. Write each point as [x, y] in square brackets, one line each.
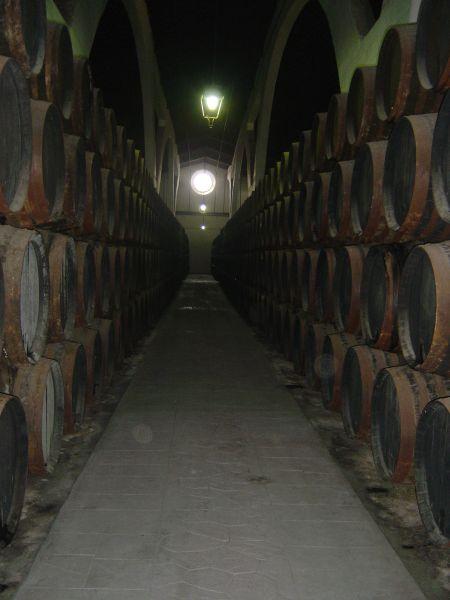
[202, 226]
[202, 207]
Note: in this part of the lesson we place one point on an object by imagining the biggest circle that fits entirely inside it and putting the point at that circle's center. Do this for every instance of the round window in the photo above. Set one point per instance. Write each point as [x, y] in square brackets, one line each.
[203, 182]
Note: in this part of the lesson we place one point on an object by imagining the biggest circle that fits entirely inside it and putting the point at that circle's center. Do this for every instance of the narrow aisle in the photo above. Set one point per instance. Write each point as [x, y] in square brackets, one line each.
[209, 483]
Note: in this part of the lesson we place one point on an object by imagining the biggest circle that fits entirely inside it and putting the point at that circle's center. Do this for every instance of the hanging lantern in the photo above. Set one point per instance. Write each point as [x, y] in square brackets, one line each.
[211, 106]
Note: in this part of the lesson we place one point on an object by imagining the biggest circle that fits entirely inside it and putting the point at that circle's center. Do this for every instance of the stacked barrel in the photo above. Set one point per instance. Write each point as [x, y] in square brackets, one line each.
[341, 255]
[89, 253]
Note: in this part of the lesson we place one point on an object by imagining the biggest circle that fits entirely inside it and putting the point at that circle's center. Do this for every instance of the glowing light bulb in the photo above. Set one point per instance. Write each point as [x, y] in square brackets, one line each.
[202, 226]
[202, 207]
[212, 102]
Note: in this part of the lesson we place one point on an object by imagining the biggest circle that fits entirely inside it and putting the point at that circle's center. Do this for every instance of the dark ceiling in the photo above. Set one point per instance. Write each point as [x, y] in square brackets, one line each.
[200, 43]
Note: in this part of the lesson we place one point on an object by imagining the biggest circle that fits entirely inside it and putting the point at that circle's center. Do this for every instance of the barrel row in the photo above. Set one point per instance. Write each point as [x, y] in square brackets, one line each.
[341, 257]
[71, 311]
[74, 168]
[393, 191]
[90, 255]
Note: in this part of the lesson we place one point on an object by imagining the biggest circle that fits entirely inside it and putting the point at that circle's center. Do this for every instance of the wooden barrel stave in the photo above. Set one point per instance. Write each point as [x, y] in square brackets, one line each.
[23, 31]
[399, 396]
[361, 366]
[26, 305]
[331, 363]
[41, 391]
[71, 358]
[16, 130]
[431, 470]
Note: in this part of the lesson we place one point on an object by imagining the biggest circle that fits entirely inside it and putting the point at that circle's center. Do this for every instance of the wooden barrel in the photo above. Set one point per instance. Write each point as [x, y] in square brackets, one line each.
[91, 341]
[121, 152]
[305, 212]
[379, 295]
[324, 305]
[298, 338]
[287, 256]
[433, 45]
[26, 303]
[308, 280]
[115, 278]
[292, 217]
[398, 91]
[276, 274]
[16, 132]
[304, 154]
[137, 172]
[361, 366]
[288, 331]
[45, 201]
[399, 396]
[55, 82]
[23, 29]
[85, 287]
[102, 280]
[108, 203]
[336, 144]
[14, 464]
[128, 215]
[273, 237]
[75, 181]
[424, 308]
[98, 121]
[319, 214]
[41, 390]
[63, 280]
[331, 363]
[347, 288]
[105, 328]
[119, 352]
[362, 123]
[431, 470]
[127, 329]
[366, 196]
[408, 206]
[283, 234]
[129, 161]
[71, 358]
[339, 206]
[273, 186]
[440, 153]
[110, 149]
[318, 149]
[277, 331]
[295, 277]
[141, 173]
[92, 221]
[81, 116]
[313, 343]
[293, 166]
[118, 232]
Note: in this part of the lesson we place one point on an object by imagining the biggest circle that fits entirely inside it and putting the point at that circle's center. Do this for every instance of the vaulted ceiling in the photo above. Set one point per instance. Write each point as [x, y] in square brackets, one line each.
[200, 43]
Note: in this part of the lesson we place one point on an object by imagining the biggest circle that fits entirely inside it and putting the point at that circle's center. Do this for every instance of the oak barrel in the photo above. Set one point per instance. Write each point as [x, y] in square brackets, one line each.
[26, 304]
[399, 396]
[41, 391]
[424, 308]
[361, 366]
[13, 465]
[432, 473]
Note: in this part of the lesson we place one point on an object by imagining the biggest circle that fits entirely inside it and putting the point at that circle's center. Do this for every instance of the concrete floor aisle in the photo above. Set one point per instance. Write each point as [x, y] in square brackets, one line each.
[210, 484]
